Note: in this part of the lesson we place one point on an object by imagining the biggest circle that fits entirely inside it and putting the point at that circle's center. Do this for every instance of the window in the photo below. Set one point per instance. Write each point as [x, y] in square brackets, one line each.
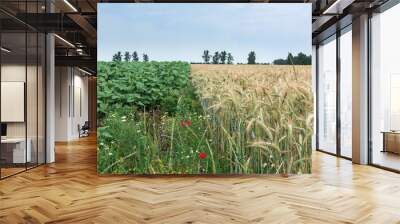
[22, 88]
[385, 89]
[346, 93]
[327, 96]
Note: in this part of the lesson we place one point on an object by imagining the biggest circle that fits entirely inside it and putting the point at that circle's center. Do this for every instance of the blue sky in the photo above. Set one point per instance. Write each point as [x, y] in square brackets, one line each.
[183, 31]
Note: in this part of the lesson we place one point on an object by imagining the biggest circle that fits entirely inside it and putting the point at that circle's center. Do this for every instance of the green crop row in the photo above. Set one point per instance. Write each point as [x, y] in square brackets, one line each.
[145, 86]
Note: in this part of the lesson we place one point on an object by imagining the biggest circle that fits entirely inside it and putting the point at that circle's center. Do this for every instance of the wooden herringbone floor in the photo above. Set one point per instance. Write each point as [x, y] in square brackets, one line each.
[70, 191]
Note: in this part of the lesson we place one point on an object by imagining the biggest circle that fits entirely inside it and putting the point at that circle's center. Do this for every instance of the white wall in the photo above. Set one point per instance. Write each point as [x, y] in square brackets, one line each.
[14, 72]
[17, 73]
[70, 83]
[79, 110]
[62, 82]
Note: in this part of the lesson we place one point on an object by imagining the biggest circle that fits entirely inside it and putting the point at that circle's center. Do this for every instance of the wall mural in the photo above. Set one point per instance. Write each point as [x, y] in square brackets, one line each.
[205, 92]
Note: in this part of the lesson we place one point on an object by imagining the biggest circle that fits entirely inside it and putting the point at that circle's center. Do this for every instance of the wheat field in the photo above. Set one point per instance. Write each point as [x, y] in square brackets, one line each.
[260, 115]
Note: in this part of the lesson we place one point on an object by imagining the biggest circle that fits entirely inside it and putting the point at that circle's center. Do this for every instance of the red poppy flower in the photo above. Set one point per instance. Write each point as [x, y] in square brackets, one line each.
[186, 123]
[202, 155]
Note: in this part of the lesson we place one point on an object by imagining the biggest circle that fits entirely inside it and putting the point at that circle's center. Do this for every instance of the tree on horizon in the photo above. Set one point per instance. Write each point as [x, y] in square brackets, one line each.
[300, 59]
[251, 60]
[215, 58]
[145, 58]
[117, 56]
[135, 56]
[223, 57]
[230, 58]
[127, 56]
[206, 57]
[289, 59]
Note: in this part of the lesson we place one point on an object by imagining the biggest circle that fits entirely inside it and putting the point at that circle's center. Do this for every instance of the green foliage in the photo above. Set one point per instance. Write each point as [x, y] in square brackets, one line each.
[206, 56]
[145, 58]
[289, 58]
[223, 57]
[140, 108]
[280, 62]
[127, 56]
[140, 85]
[252, 58]
[230, 58]
[300, 59]
[218, 57]
[181, 101]
[117, 56]
[215, 58]
[139, 142]
[135, 56]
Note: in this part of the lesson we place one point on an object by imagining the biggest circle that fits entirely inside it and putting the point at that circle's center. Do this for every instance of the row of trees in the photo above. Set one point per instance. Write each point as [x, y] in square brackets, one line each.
[300, 59]
[222, 57]
[129, 57]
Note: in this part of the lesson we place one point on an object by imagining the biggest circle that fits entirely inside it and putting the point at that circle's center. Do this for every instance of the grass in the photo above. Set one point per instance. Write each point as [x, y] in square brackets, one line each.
[229, 119]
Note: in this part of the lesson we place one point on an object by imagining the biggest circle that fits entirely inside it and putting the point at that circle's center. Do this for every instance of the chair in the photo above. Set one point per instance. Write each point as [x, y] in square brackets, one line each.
[84, 130]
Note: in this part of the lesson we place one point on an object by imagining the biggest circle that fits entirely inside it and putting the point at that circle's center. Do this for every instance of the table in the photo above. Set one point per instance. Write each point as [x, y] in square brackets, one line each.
[13, 150]
[391, 141]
